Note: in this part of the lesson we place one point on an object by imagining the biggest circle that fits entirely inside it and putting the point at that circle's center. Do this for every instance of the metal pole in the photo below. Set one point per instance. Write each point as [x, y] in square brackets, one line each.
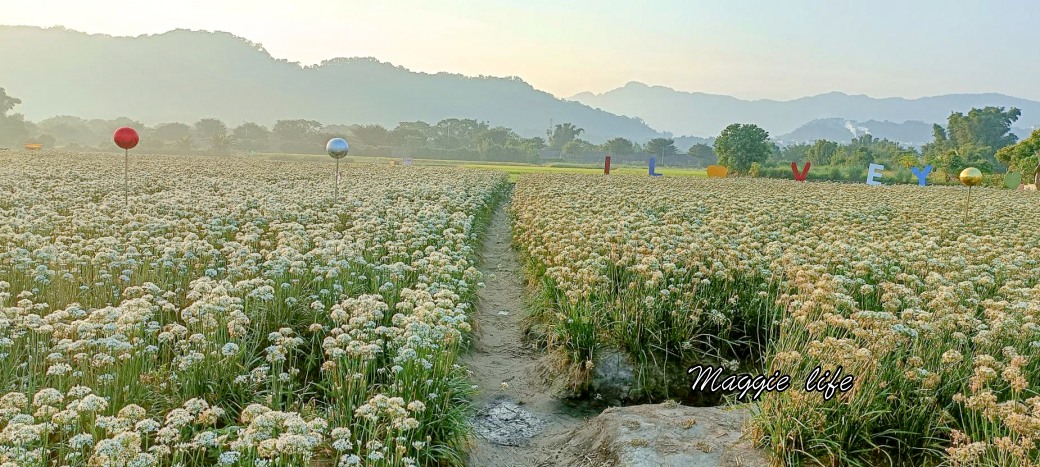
[336, 196]
[966, 204]
[126, 178]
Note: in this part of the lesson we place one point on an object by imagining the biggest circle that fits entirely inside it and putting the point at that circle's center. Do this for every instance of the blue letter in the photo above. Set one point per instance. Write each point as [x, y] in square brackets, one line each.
[653, 163]
[872, 173]
[922, 175]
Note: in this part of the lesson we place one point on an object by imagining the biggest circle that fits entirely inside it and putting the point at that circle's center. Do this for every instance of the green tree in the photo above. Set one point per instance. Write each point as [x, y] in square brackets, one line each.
[454, 133]
[532, 144]
[213, 132]
[251, 136]
[1023, 157]
[7, 102]
[66, 129]
[990, 126]
[13, 130]
[499, 136]
[795, 153]
[822, 152]
[172, 133]
[937, 150]
[619, 146]
[207, 128]
[702, 154]
[562, 134]
[740, 145]
[371, 135]
[12, 127]
[865, 140]
[907, 159]
[221, 142]
[577, 146]
[101, 130]
[977, 135]
[661, 147]
[411, 135]
[949, 161]
[860, 157]
[298, 136]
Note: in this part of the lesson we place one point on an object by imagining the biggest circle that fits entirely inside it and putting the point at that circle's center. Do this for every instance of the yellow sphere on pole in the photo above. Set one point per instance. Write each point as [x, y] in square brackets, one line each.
[971, 176]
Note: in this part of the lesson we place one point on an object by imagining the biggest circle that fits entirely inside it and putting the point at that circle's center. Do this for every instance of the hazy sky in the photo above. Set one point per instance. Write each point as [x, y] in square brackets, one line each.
[750, 49]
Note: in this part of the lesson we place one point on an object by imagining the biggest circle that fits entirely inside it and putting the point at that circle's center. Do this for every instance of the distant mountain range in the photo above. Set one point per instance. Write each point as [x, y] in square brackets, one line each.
[187, 75]
[898, 119]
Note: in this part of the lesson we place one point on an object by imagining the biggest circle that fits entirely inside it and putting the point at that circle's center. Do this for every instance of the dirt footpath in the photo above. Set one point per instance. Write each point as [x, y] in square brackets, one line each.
[519, 423]
[517, 418]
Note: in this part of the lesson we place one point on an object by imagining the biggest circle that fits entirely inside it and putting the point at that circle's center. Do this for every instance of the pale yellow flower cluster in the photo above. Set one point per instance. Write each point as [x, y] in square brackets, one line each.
[937, 318]
[234, 314]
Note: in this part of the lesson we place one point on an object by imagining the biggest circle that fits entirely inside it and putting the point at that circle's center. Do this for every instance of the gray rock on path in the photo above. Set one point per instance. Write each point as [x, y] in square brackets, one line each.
[505, 423]
[660, 435]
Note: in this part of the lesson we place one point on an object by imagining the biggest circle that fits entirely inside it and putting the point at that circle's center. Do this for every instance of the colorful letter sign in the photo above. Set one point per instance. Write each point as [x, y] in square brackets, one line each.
[922, 175]
[800, 176]
[717, 171]
[653, 164]
[873, 172]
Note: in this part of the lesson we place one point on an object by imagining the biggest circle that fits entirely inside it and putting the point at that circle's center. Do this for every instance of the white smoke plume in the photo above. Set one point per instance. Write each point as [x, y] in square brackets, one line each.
[856, 131]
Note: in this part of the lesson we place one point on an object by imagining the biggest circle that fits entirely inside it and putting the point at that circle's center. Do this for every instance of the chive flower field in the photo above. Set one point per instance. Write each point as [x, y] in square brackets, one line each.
[937, 318]
[234, 313]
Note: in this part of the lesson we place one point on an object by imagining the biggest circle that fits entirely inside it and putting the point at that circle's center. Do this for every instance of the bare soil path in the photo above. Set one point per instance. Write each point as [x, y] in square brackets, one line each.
[517, 418]
[519, 423]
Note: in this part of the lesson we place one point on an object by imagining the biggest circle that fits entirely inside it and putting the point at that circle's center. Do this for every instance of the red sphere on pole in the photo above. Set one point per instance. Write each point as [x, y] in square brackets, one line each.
[126, 138]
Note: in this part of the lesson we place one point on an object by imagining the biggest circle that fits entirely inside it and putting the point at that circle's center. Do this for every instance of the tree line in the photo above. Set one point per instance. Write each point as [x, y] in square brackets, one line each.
[453, 138]
[981, 138]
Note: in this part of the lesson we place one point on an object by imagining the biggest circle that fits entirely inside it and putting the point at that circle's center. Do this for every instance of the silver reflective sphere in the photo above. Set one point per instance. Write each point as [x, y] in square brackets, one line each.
[337, 148]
